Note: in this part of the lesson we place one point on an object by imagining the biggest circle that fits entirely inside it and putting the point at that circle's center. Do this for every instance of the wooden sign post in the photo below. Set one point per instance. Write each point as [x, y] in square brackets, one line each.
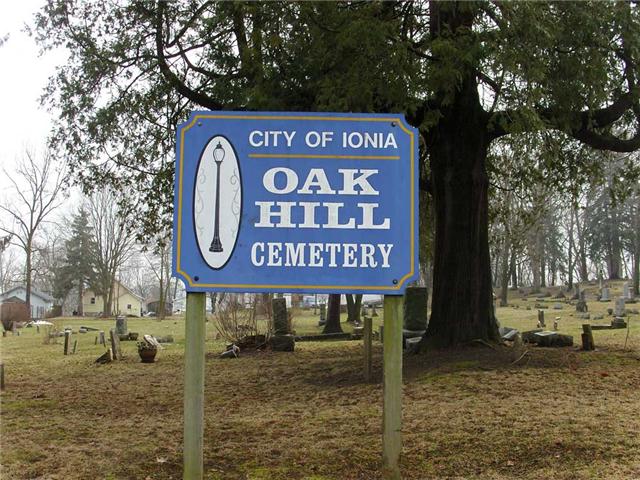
[392, 387]
[232, 232]
[194, 386]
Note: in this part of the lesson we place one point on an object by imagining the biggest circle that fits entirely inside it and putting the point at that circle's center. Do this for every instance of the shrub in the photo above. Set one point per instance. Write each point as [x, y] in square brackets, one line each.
[235, 321]
[13, 312]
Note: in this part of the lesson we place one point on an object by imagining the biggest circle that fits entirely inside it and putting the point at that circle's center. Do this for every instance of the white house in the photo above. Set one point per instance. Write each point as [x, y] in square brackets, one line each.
[41, 303]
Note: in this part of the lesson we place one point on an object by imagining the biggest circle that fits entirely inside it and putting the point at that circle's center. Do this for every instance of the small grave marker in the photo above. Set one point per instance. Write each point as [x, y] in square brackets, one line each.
[121, 325]
[587, 337]
[619, 308]
[368, 357]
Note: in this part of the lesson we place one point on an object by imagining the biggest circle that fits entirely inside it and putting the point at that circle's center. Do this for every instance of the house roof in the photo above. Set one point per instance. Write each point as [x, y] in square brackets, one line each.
[13, 299]
[128, 290]
[34, 292]
[122, 287]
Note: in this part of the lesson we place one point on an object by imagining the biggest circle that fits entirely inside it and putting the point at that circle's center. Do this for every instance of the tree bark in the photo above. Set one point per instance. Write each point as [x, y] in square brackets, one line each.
[28, 275]
[504, 275]
[333, 315]
[582, 250]
[354, 306]
[636, 254]
[513, 271]
[462, 296]
[80, 308]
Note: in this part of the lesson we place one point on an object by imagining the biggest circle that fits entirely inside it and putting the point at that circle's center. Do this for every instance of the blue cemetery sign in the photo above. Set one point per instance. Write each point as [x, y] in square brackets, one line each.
[296, 202]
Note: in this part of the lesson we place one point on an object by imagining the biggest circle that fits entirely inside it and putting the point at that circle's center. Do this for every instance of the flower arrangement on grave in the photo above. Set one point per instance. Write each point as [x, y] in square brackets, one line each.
[146, 346]
[147, 352]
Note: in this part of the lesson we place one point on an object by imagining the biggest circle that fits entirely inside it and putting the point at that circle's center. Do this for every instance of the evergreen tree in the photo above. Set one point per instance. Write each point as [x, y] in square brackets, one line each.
[78, 268]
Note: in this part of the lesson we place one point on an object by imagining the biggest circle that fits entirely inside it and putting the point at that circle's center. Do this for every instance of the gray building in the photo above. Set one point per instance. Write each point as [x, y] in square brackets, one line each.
[41, 303]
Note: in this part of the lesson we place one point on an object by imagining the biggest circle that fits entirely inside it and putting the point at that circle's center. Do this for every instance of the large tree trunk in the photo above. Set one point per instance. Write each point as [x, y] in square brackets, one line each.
[354, 306]
[333, 315]
[513, 270]
[80, 308]
[582, 250]
[27, 299]
[636, 254]
[570, 253]
[614, 250]
[461, 308]
[504, 275]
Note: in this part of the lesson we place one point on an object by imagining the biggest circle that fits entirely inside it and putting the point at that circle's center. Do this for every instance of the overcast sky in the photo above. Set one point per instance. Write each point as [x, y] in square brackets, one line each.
[24, 75]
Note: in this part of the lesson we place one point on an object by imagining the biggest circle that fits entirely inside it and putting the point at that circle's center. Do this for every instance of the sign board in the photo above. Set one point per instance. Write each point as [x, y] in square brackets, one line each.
[296, 202]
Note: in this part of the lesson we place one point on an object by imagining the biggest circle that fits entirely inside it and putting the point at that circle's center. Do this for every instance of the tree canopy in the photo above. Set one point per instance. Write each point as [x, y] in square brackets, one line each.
[464, 73]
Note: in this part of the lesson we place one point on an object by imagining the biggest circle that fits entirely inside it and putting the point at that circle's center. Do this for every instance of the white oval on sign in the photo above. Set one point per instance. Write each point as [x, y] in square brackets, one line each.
[217, 202]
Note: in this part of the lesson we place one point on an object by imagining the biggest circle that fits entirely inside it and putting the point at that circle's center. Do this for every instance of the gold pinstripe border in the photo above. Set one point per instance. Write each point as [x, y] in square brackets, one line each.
[400, 123]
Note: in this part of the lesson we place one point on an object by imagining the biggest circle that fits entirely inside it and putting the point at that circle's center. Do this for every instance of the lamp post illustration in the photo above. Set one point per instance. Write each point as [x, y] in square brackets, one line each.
[218, 156]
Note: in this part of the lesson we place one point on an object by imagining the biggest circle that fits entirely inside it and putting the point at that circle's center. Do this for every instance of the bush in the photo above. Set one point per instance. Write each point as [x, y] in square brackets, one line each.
[235, 321]
[13, 312]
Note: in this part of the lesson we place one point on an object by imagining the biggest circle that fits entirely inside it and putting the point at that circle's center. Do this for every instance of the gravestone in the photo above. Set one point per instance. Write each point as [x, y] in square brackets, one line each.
[121, 325]
[280, 320]
[581, 306]
[151, 340]
[541, 323]
[619, 308]
[618, 322]
[587, 337]
[557, 306]
[553, 339]
[282, 343]
[604, 294]
[528, 336]
[115, 345]
[101, 338]
[626, 291]
[106, 357]
[282, 340]
[556, 322]
[415, 309]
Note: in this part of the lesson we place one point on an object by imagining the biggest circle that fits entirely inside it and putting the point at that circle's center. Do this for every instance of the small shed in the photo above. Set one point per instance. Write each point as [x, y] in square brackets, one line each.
[154, 306]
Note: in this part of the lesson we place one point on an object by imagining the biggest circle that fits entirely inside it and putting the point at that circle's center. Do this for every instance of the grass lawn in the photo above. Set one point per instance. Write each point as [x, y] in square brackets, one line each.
[468, 413]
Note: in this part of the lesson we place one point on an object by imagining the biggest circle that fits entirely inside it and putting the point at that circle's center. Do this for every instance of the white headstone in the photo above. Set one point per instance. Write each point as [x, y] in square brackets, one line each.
[604, 294]
[626, 291]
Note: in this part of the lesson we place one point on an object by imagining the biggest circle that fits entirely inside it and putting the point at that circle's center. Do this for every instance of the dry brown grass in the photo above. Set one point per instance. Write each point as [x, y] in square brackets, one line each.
[470, 413]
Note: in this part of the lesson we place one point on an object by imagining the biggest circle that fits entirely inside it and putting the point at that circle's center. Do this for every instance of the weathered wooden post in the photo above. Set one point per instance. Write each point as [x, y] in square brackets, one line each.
[75, 346]
[1, 376]
[392, 387]
[194, 386]
[115, 345]
[67, 337]
[368, 337]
